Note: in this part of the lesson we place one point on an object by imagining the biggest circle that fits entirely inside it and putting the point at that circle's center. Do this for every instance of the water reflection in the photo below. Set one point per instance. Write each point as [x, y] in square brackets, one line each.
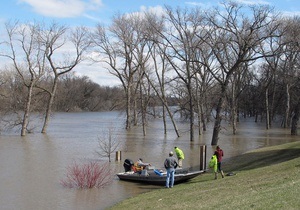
[33, 166]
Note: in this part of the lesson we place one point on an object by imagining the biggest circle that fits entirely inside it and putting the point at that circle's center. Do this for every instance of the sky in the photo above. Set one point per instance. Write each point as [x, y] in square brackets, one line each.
[91, 12]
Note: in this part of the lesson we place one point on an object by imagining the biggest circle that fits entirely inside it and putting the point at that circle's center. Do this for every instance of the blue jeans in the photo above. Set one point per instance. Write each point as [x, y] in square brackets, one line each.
[170, 177]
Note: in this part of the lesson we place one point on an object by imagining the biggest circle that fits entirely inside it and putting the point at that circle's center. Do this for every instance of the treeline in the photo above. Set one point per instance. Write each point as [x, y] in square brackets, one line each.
[74, 93]
[219, 63]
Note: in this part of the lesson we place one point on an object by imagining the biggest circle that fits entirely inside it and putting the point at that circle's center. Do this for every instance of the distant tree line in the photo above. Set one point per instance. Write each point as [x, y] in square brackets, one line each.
[74, 93]
[214, 64]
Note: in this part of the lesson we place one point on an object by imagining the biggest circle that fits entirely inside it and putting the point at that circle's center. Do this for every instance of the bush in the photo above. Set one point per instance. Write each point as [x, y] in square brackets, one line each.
[88, 175]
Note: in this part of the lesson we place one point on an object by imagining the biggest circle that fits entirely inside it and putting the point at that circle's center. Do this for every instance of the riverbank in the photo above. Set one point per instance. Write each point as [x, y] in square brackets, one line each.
[266, 178]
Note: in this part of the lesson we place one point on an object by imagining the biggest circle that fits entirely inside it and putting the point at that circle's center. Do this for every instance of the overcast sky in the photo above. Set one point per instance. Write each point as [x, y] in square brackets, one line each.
[91, 12]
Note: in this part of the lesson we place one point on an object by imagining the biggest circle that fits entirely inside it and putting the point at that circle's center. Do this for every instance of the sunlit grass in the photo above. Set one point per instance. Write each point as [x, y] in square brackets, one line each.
[267, 178]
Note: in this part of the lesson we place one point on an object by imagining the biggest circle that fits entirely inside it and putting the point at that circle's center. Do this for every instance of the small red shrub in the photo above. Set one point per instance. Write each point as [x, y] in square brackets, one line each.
[88, 175]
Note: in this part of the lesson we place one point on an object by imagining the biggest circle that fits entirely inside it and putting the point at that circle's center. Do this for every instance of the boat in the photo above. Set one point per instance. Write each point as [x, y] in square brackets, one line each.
[157, 177]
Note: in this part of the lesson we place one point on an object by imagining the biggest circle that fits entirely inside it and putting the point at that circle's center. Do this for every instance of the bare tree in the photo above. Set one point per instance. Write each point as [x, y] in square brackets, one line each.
[56, 39]
[204, 82]
[121, 47]
[234, 40]
[295, 119]
[116, 55]
[161, 67]
[108, 143]
[239, 80]
[25, 51]
[289, 62]
[181, 41]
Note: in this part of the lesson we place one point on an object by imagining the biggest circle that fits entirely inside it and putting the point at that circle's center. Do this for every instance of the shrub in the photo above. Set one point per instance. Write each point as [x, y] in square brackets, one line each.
[88, 175]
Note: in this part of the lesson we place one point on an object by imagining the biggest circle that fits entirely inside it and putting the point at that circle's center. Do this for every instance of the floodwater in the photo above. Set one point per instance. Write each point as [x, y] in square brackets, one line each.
[32, 167]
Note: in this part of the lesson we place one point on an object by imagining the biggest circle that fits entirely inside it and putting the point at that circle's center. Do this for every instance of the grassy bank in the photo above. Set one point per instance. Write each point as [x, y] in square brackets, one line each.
[267, 178]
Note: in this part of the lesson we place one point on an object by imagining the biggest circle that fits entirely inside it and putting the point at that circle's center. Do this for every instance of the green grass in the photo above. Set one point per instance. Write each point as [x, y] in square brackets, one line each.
[267, 178]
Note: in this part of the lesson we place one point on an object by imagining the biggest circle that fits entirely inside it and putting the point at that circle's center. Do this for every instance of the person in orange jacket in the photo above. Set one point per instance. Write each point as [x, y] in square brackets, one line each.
[139, 165]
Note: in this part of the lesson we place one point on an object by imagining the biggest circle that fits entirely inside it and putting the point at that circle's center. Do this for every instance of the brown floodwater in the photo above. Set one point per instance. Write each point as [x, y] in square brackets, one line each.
[33, 166]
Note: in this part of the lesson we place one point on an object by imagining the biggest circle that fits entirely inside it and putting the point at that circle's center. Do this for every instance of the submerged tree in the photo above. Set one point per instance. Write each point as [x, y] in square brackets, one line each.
[108, 143]
[26, 52]
[36, 52]
[115, 47]
[234, 40]
[178, 43]
[55, 40]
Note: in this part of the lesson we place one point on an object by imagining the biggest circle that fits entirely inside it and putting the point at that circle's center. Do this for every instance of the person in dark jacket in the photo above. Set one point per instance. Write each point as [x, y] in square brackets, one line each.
[220, 155]
[170, 165]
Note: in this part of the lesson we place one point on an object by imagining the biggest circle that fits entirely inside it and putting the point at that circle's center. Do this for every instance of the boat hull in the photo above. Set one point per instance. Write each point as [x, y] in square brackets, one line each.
[155, 179]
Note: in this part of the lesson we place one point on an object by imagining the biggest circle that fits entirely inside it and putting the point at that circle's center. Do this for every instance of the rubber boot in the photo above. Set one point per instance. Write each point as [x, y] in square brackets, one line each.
[222, 173]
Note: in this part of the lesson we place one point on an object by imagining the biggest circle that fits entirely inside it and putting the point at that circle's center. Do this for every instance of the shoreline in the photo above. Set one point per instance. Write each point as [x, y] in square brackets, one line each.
[256, 167]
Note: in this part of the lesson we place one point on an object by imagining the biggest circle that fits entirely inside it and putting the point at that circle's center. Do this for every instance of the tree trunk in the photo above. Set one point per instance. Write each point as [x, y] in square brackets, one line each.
[267, 109]
[287, 107]
[173, 122]
[271, 113]
[256, 117]
[199, 118]
[203, 118]
[165, 106]
[164, 119]
[233, 110]
[234, 118]
[128, 109]
[27, 111]
[143, 110]
[49, 106]
[135, 112]
[191, 114]
[218, 120]
[295, 120]
[199, 110]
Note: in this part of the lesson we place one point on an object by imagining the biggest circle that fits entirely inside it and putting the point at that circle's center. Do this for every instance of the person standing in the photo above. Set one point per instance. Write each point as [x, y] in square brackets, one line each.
[220, 155]
[213, 163]
[170, 165]
[180, 156]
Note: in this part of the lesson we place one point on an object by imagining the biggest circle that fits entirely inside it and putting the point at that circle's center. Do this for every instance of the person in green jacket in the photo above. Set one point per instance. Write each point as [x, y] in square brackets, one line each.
[180, 156]
[213, 163]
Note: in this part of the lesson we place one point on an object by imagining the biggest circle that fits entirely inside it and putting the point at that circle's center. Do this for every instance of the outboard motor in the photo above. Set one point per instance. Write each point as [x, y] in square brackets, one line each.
[128, 164]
